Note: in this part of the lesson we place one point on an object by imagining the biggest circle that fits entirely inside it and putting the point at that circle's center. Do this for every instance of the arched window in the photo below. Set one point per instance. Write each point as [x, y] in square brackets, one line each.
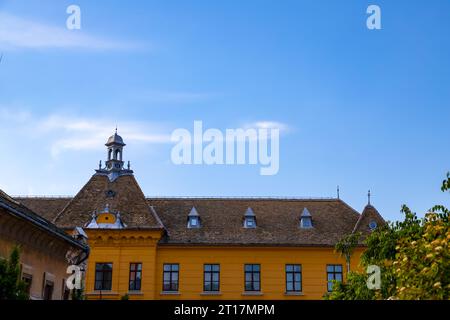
[109, 154]
[117, 154]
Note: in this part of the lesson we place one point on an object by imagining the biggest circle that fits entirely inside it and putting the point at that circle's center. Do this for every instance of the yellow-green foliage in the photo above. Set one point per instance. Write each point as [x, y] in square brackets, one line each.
[413, 256]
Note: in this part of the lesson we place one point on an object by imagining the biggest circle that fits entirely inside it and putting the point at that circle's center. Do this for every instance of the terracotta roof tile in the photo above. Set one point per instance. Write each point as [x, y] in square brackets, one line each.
[46, 207]
[122, 195]
[368, 215]
[221, 219]
[277, 221]
[16, 208]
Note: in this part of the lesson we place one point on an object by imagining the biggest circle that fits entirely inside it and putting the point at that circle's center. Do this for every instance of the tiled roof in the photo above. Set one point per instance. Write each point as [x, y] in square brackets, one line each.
[277, 221]
[47, 207]
[368, 215]
[17, 209]
[221, 218]
[122, 195]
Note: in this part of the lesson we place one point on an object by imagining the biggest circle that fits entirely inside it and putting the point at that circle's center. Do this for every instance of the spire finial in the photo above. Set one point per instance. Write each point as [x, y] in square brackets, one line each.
[129, 165]
[116, 128]
[338, 192]
[368, 197]
[100, 165]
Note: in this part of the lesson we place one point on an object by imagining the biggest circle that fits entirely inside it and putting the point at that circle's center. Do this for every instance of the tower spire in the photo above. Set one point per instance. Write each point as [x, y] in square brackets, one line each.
[114, 164]
[368, 197]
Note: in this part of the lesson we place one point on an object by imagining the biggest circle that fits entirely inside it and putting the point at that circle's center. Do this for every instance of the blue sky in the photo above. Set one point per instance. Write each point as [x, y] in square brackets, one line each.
[364, 109]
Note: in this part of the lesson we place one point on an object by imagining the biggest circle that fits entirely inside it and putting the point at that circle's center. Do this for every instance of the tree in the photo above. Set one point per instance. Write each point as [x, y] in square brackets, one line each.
[413, 256]
[11, 285]
[347, 245]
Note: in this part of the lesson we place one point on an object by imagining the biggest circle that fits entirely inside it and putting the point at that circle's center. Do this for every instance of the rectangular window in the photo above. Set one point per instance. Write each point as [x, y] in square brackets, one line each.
[28, 279]
[252, 274]
[135, 277]
[48, 290]
[334, 272]
[170, 277]
[293, 278]
[211, 277]
[103, 276]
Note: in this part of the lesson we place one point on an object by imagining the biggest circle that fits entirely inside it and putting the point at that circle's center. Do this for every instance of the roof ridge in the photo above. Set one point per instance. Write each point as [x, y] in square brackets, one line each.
[243, 198]
[47, 197]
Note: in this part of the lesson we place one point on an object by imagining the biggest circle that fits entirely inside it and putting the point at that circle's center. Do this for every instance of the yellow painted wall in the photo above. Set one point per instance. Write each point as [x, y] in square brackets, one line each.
[122, 247]
[232, 260]
[191, 260]
[106, 218]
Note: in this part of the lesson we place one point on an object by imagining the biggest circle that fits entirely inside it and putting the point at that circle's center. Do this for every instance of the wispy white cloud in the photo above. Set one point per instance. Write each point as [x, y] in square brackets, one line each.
[20, 33]
[67, 133]
[283, 127]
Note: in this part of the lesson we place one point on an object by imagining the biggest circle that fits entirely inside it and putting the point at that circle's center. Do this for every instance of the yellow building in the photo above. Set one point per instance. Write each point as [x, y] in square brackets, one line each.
[45, 250]
[203, 248]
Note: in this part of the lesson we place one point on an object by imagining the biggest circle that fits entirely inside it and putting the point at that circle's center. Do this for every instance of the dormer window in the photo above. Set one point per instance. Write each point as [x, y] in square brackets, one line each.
[306, 219]
[193, 219]
[193, 222]
[249, 219]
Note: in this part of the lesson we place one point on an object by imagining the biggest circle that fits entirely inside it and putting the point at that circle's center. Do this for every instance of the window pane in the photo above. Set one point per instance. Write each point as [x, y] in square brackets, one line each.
[338, 277]
[255, 276]
[289, 286]
[330, 268]
[248, 277]
[256, 286]
[167, 267]
[207, 267]
[289, 268]
[216, 268]
[166, 276]
[297, 286]
[174, 267]
[338, 268]
[248, 267]
[330, 286]
[98, 276]
[289, 277]
[215, 277]
[256, 267]
[175, 276]
[215, 286]
[330, 277]
[297, 268]
[297, 277]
